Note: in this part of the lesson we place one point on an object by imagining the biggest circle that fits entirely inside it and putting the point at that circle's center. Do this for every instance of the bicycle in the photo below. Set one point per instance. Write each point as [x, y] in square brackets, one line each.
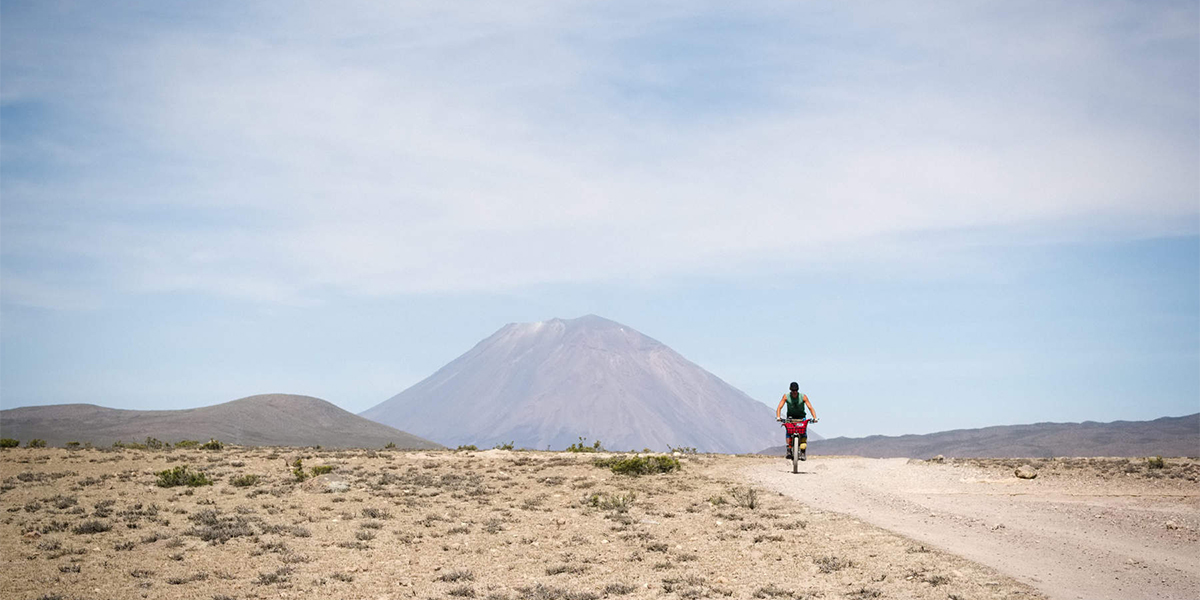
[797, 428]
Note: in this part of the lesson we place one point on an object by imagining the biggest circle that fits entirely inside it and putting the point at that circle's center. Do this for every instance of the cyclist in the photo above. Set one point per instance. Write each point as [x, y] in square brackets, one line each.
[795, 402]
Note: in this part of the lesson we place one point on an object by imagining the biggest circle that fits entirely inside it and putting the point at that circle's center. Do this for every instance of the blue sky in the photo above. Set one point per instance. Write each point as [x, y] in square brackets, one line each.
[935, 216]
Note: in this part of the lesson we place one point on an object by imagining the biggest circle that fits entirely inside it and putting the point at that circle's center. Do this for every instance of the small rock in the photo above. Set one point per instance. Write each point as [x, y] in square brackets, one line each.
[1171, 525]
[328, 483]
[1026, 472]
[722, 580]
[938, 459]
[997, 526]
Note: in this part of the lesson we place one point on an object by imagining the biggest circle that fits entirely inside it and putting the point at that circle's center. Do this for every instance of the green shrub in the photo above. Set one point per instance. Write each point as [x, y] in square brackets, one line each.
[89, 527]
[9, 443]
[244, 480]
[73, 445]
[298, 470]
[187, 444]
[682, 449]
[322, 469]
[156, 444]
[40, 443]
[581, 446]
[212, 444]
[389, 446]
[129, 445]
[1155, 462]
[508, 446]
[180, 475]
[639, 465]
[468, 448]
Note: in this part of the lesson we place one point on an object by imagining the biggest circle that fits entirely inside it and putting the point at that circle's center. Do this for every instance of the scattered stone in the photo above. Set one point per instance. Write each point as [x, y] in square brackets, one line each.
[1026, 472]
[328, 483]
[938, 459]
[1171, 525]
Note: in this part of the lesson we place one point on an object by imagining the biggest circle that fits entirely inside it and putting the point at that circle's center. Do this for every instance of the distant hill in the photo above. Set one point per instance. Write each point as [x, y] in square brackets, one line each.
[266, 420]
[1168, 436]
[547, 384]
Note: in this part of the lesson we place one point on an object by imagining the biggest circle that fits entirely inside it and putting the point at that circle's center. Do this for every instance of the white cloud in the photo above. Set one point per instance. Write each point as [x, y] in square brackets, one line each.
[278, 155]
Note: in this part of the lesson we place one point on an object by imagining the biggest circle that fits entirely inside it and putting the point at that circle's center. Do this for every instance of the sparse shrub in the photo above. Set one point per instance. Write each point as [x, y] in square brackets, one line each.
[212, 444]
[187, 444]
[90, 527]
[279, 575]
[462, 591]
[127, 545]
[771, 591]
[619, 589]
[180, 475]
[581, 446]
[1155, 462]
[467, 448]
[73, 445]
[389, 446]
[298, 470]
[212, 526]
[936, 580]
[457, 575]
[322, 470]
[9, 443]
[560, 569]
[829, 564]
[156, 444]
[747, 498]
[376, 513]
[639, 465]
[340, 576]
[128, 445]
[682, 449]
[508, 446]
[40, 443]
[246, 480]
[616, 502]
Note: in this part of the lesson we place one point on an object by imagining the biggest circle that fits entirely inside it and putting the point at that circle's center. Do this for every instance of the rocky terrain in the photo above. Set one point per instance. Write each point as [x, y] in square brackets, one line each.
[495, 525]
[545, 385]
[265, 420]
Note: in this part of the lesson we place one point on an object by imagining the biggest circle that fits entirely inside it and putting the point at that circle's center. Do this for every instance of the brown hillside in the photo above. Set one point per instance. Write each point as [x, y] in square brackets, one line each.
[265, 420]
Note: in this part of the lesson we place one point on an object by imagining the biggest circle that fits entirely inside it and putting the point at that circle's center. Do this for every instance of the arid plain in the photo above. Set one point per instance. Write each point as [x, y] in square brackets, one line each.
[96, 524]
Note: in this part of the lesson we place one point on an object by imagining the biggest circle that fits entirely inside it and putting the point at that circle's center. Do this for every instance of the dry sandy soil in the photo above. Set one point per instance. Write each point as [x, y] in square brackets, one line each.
[492, 525]
[1083, 528]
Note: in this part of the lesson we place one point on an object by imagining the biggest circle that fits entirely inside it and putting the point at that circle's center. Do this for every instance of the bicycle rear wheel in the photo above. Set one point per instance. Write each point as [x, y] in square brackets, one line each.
[795, 454]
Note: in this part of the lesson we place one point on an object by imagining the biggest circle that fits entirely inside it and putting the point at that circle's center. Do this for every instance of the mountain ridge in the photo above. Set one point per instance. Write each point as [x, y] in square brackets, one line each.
[1165, 436]
[260, 420]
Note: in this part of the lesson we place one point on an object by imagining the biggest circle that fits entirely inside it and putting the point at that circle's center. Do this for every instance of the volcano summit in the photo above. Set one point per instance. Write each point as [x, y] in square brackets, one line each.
[547, 384]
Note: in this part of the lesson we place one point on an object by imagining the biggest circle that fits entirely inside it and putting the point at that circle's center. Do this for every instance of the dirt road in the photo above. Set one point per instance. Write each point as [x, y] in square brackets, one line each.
[1070, 533]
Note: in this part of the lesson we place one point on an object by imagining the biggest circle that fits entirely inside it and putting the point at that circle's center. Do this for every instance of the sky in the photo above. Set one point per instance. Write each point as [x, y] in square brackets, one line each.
[931, 215]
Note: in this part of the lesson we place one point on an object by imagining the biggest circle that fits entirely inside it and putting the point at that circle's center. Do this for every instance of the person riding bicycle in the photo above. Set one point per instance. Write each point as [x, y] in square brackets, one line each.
[795, 402]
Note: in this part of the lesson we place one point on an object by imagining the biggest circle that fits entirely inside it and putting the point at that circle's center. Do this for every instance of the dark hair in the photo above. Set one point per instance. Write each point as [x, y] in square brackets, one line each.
[795, 387]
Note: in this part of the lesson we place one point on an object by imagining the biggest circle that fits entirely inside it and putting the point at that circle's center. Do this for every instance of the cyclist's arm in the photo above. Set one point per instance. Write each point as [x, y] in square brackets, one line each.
[810, 408]
[782, 401]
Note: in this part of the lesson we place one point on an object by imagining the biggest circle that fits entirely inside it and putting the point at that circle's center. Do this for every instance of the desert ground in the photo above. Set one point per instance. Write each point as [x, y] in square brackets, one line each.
[496, 524]
[1090, 528]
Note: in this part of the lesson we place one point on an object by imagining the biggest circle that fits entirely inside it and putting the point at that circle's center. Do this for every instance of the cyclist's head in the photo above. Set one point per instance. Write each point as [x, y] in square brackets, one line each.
[795, 387]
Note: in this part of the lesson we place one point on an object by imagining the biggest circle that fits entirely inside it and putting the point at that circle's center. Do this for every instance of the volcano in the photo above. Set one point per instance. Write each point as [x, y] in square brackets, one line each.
[547, 384]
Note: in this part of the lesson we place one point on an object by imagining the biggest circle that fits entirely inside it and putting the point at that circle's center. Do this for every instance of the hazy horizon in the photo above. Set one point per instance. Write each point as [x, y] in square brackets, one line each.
[933, 217]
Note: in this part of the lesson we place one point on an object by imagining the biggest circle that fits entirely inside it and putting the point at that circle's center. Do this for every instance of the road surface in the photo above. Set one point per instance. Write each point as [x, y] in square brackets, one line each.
[1071, 536]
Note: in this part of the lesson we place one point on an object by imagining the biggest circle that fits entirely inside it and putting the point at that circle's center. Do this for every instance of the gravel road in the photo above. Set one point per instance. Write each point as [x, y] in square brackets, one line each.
[1069, 533]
